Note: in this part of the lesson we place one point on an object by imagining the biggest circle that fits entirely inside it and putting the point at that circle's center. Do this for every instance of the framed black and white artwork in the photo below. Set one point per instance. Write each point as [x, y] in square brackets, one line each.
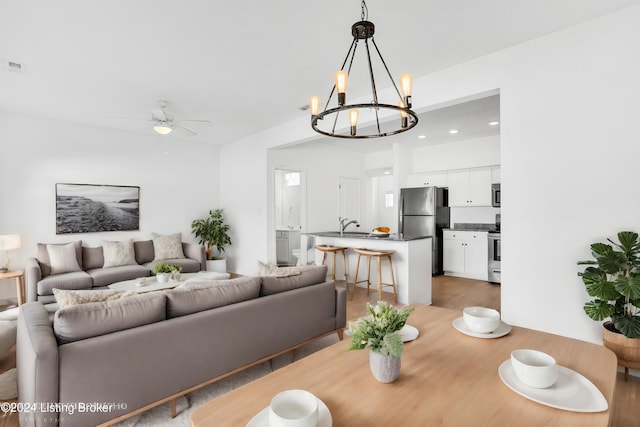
[88, 208]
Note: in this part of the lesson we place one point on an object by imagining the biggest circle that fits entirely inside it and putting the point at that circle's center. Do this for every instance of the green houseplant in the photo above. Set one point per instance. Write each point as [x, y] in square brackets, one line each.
[212, 232]
[380, 332]
[164, 271]
[613, 280]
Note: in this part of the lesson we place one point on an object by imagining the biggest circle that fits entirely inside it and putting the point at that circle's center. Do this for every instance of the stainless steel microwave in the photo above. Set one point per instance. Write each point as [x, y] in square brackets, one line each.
[495, 195]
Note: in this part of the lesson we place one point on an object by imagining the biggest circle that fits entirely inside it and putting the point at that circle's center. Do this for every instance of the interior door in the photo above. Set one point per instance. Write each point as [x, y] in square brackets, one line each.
[349, 198]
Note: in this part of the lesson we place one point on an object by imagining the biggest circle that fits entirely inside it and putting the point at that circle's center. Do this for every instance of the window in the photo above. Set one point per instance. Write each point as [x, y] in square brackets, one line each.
[292, 179]
[388, 199]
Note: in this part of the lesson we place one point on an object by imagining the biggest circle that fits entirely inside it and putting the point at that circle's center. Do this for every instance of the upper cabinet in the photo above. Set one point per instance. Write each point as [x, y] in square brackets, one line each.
[470, 187]
[429, 179]
[495, 174]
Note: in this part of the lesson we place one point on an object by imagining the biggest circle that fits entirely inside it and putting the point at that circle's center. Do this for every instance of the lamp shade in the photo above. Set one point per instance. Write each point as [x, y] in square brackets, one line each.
[10, 241]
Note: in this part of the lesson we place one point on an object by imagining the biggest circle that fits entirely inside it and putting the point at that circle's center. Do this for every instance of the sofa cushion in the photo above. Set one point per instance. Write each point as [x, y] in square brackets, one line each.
[167, 247]
[118, 253]
[43, 256]
[109, 275]
[309, 275]
[208, 294]
[188, 265]
[67, 298]
[75, 280]
[92, 257]
[82, 321]
[144, 251]
[63, 259]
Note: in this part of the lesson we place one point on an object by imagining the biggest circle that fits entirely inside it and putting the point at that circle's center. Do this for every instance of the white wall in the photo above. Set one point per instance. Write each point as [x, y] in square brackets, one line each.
[178, 180]
[569, 148]
[469, 153]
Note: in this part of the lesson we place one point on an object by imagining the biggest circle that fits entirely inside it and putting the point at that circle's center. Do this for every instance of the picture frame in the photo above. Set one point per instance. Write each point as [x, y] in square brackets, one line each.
[92, 208]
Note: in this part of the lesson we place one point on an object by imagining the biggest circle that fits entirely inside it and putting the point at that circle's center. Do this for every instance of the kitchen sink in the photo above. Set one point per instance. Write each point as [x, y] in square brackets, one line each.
[345, 234]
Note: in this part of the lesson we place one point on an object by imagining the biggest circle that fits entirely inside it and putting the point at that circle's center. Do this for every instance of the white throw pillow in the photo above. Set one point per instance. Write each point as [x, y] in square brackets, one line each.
[167, 247]
[66, 298]
[63, 258]
[118, 253]
[273, 270]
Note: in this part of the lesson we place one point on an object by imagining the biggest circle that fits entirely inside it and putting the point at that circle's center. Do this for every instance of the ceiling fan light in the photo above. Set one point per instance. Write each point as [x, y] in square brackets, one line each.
[162, 129]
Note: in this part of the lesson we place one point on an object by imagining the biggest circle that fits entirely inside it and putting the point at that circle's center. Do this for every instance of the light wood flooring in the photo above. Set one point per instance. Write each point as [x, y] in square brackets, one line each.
[453, 293]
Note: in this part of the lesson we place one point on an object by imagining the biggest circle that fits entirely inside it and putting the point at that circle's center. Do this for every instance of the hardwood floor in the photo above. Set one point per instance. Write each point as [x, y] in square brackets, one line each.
[457, 293]
[453, 293]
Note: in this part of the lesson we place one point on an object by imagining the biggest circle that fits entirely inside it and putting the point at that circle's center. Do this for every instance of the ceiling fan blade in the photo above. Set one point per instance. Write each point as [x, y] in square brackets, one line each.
[158, 114]
[185, 130]
[200, 122]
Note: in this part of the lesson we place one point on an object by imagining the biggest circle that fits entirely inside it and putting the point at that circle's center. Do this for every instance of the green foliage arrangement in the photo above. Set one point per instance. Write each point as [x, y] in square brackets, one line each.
[379, 331]
[163, 267]
[614, 282]
[212, 232]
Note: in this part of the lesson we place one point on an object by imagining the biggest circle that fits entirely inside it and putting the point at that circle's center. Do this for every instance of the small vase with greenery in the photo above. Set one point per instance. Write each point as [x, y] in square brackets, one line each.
[380, 332]
[212, 232]
[165, 271]
[614, 281]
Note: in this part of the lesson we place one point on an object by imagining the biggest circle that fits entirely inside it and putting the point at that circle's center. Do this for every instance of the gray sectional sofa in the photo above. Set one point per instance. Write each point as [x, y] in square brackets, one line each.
[92, 274]
[140, 351]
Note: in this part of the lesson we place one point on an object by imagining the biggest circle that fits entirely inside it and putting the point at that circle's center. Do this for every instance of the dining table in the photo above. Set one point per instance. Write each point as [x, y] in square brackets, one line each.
[449, 376]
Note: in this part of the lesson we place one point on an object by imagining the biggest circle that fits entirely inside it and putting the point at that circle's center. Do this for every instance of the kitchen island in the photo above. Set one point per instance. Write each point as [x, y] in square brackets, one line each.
[411, 262]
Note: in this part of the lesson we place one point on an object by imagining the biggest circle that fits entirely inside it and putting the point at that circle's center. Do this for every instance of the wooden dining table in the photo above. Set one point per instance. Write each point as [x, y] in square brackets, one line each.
[447, 378]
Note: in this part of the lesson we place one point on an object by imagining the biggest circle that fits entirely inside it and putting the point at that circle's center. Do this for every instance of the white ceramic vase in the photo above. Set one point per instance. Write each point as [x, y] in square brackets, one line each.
[385, 369]
[217, 265]
[163, 277]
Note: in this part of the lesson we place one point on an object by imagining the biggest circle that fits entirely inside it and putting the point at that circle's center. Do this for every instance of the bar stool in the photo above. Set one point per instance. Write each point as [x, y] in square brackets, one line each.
[379, 254]
[325, 249]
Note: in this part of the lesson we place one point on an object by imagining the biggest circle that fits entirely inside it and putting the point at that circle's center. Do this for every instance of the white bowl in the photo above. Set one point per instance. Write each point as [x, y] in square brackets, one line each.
[293, 408]
[480, 319]
[534, 368]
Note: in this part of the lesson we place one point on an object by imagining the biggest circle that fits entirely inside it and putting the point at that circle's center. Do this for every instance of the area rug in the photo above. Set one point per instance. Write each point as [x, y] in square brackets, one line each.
[161, 415]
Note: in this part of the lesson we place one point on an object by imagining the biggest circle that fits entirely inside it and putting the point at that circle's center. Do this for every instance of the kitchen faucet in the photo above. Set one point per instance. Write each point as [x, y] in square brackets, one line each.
[344, 225]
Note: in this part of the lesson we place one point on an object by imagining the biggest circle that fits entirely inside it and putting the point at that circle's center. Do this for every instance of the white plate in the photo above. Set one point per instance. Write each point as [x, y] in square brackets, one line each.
[408, 333]
[502, 330]
[572, 391]
[262, 418]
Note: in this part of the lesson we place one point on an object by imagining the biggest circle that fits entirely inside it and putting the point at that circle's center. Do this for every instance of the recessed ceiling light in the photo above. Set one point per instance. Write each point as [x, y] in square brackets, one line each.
[422, 136]
[494, 123]
[452, 131]
[387, 172]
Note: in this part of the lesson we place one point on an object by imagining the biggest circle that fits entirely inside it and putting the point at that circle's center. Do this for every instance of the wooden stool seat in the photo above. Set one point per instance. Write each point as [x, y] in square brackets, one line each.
[379, 254]
[326, 249]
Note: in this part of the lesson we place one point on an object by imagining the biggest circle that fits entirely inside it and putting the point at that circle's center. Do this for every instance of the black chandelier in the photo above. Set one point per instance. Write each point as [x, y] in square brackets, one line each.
[362, 30]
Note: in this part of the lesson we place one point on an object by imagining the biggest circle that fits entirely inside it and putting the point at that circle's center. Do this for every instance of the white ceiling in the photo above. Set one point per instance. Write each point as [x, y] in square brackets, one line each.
[245, 66]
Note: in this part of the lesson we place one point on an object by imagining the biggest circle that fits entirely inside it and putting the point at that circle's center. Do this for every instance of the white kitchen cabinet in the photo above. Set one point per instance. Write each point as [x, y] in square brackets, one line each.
[495, 174]
[428, 179]
[469, 187]
[466, 254]
[286, 242]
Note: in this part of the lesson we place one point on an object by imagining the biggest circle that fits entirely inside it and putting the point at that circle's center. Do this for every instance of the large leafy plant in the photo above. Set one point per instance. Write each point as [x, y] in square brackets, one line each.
[614, 282]
[212, 232]
[379, 331]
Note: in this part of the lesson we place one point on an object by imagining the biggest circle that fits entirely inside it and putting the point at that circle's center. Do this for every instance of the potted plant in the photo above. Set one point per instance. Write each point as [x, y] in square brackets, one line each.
[164, 271]
[213, 233]
[379, 331]
[613, 279]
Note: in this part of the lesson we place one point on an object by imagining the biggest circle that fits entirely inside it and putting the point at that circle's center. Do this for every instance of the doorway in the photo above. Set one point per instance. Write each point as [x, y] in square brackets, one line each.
[289, 214]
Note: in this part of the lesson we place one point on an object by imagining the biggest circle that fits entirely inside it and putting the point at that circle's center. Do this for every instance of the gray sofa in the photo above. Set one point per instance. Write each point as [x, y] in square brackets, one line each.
[145, 350]
[40, 282]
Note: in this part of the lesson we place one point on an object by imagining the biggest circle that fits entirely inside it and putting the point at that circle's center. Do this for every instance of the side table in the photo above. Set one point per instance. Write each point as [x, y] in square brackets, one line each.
[19, 276]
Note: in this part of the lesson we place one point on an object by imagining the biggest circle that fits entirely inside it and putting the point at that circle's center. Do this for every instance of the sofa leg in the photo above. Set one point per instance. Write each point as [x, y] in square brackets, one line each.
[340, 334]
[173, 408]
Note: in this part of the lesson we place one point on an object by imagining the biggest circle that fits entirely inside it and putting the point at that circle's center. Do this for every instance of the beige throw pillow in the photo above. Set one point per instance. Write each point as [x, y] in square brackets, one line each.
[118, 253]
[272, 270]
[66, 298]
[167, 247]
[62, 258]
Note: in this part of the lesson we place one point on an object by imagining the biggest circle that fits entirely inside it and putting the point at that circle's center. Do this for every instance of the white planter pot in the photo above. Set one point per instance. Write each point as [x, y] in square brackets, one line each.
[217, 265]
[163, 277]
[385, 369]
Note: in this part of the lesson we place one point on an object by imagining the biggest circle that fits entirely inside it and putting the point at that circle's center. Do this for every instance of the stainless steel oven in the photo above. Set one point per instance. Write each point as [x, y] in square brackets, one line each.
[495, 195]
[494, 257]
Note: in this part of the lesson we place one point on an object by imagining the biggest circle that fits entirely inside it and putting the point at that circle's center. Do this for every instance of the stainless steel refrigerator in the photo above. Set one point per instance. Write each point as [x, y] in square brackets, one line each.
[424, 212]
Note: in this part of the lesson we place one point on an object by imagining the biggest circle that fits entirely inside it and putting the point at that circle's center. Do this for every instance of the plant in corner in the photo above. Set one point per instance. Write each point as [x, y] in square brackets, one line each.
[613, 279]
[212, 232]
[379, 331]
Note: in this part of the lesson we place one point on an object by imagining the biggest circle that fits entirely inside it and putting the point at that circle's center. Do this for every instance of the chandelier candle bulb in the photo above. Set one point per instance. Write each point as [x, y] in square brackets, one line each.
[353, 120]
[341, 78]
[406, 83]
[314, 105]
[404, 116]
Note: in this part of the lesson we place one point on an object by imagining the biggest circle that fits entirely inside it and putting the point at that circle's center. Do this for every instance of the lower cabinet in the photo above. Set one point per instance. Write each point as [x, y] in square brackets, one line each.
[286, 242]
[465, 254]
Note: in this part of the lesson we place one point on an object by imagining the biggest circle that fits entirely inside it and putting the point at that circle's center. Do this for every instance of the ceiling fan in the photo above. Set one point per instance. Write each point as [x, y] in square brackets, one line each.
[163, 122]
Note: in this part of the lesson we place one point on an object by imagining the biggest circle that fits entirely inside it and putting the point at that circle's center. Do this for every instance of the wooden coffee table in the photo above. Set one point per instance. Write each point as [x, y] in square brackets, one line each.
[447, 378]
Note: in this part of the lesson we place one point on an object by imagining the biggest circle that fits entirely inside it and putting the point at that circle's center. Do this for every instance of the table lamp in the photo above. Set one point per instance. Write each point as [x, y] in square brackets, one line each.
[8, 242]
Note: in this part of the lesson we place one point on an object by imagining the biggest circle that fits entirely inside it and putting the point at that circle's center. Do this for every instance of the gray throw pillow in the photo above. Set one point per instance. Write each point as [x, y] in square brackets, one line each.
[118, 253]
